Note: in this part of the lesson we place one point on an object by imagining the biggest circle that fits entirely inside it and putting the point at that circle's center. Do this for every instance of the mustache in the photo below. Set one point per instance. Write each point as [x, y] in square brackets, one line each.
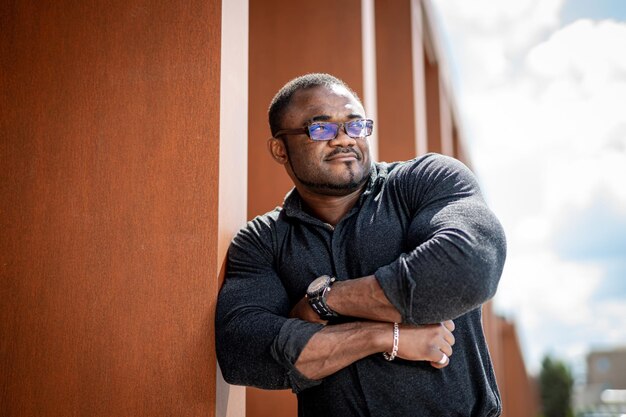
[338, 151]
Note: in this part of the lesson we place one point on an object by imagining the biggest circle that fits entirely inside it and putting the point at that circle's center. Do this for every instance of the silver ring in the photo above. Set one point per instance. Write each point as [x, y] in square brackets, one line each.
[443, 359]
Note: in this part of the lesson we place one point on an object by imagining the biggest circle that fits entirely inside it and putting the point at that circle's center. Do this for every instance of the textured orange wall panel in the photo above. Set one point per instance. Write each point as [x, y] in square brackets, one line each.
[108, 195]
[521, 398]
[394, 73]
[433, 105]
[263, 403]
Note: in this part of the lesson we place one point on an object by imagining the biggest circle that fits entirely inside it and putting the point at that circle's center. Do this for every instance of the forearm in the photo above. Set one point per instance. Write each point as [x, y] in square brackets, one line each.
[447, 289]
[453, 272]
[453, 279]
[363, 298]
[337, 346]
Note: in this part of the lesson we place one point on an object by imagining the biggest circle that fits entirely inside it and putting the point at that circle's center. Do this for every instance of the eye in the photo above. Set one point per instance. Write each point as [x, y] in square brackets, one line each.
[318, 128]
[323, 131]
[356, 128]
[357, 124]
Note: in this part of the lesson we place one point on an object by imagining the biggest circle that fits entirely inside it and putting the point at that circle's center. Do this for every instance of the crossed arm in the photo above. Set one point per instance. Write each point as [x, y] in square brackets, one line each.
[337, 346]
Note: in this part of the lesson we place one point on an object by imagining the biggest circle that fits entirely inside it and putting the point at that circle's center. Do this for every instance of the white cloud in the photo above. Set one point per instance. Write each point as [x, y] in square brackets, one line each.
[547, 297]
[586, 51]
[563, 131]
[610, 322]
[545, 110]
[551, 300]
[581, 111]
[542, 288]
[498, 32]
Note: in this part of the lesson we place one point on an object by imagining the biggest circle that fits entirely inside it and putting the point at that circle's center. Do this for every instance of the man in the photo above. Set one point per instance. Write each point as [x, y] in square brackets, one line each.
[346, 293]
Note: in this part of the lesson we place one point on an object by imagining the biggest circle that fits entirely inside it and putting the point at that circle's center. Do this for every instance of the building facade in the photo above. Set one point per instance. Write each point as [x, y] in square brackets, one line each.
[604, 393]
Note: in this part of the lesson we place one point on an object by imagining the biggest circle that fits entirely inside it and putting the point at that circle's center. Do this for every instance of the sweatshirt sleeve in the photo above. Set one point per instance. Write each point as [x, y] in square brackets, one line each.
[256, 344]
[457, 246]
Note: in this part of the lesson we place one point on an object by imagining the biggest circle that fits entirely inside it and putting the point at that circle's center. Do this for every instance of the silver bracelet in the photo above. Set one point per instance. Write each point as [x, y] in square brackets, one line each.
[396, 340]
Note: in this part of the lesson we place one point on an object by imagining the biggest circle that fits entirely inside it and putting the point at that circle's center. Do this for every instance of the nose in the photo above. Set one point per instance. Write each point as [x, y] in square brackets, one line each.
[342, 139]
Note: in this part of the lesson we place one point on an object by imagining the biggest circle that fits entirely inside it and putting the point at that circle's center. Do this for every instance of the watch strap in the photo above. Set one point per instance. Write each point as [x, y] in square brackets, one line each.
[319, 305]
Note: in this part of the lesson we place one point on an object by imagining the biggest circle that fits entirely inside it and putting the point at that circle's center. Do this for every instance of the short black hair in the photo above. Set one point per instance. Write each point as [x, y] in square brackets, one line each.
[281, 100]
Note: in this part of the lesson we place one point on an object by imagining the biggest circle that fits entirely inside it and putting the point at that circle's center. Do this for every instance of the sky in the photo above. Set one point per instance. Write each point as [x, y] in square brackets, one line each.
[541, 90]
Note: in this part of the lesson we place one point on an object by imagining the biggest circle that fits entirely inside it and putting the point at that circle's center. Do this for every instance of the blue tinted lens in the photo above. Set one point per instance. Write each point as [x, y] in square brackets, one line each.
[359, 128]
[323, 131]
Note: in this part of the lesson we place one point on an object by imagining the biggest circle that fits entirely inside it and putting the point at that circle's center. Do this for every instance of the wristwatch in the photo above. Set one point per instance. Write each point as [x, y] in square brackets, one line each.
[317, 292]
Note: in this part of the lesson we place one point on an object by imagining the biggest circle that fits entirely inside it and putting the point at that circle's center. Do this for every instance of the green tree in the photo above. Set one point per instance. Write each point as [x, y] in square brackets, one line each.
[555, 384]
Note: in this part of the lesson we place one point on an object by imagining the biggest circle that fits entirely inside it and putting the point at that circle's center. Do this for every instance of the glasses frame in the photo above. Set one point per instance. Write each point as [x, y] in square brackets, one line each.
[306, 129]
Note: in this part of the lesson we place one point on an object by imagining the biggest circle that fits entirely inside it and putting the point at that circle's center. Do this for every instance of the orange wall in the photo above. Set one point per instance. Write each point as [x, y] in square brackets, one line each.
[108, 195]
[263, 403]
[519, 392]
[433, 105]
[395, 123]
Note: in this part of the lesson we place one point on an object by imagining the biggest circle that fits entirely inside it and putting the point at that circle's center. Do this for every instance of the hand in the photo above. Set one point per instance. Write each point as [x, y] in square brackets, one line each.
[303, 311]
[426, 343]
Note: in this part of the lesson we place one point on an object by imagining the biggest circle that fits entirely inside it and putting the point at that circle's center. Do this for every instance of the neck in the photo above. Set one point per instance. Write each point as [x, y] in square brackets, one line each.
[328, 208]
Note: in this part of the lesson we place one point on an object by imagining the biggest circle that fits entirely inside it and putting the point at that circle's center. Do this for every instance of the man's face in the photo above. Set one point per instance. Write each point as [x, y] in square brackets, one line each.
[335, 167]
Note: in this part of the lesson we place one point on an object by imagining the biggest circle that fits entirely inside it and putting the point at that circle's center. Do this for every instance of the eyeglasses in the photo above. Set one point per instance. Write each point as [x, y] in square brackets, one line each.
[358, 128]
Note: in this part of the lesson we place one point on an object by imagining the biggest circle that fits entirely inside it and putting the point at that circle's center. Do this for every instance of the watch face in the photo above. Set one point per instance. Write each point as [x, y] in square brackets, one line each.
[318, 285]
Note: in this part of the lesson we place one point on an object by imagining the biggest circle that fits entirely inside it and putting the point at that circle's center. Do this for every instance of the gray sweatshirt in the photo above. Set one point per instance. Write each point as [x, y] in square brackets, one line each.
[423, 229]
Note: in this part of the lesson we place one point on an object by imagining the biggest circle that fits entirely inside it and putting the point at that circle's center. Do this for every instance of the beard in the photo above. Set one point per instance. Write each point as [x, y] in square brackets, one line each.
[333, 187]
[313, 178]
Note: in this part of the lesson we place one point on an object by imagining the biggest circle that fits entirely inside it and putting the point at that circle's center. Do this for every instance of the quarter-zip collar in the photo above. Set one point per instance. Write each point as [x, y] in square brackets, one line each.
[293, 204]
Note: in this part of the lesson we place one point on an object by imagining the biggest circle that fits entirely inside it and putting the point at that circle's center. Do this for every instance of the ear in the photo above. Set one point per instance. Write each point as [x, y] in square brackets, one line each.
[278, 150]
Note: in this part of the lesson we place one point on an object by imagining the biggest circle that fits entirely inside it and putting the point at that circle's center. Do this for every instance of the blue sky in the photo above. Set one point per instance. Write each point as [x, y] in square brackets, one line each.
[597, 235]
[541, 87]
[593, 9]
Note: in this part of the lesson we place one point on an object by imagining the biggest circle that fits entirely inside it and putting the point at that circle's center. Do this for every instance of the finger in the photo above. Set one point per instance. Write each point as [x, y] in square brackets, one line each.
[449, 337]
[444, 349]
[449, 324]
[442, 362]
[437, 351]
